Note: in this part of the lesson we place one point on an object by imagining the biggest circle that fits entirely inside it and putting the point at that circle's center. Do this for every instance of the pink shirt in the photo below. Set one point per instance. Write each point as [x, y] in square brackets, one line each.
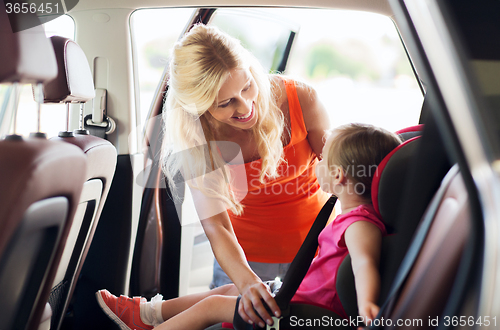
[319, 284]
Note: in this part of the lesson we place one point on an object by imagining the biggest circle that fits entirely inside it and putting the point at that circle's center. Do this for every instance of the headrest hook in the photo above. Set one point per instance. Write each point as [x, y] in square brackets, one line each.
[15, 94]
[39, 100]
[81, 127]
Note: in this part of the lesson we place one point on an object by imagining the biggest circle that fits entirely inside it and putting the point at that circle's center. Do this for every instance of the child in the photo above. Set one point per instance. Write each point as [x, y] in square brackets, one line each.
[350, 158]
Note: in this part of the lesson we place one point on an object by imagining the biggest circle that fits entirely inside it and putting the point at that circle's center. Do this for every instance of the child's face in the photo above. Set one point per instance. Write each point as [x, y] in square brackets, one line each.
[323, 173]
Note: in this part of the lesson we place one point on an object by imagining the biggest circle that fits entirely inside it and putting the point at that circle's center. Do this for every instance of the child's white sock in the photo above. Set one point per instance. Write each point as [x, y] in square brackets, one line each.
[151, 311]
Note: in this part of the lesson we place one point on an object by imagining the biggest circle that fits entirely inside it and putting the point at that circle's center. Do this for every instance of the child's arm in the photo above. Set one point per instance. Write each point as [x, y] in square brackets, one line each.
[363, 240]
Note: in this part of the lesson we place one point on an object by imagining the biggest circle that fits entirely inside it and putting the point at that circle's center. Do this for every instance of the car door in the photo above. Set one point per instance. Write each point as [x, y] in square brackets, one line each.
[170, 242]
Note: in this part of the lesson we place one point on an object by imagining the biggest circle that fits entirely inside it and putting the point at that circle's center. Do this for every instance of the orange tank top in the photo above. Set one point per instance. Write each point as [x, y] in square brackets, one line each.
[277, 215]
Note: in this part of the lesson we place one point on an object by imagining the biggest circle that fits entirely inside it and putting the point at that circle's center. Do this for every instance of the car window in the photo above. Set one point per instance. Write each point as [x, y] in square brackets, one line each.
[357, 64]
[53, 116]
[266, 35]
[154, 32]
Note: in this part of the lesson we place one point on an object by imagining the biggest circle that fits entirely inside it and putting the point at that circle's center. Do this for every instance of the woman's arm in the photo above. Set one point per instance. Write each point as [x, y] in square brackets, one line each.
[231, 258]
[315, 116]
[363, 240]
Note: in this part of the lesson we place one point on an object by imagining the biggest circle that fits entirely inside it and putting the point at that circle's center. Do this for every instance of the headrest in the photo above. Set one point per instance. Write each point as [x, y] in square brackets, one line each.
[74, 81]
[410, 132]
[388, 182]
[27, 56]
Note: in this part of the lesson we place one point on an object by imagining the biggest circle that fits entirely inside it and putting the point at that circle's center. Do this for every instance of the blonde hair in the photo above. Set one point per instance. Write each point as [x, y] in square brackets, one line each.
[200, 63]
[358, 149]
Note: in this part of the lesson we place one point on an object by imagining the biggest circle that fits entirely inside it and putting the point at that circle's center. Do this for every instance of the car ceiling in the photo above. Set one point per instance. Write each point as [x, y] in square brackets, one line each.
[376, 6]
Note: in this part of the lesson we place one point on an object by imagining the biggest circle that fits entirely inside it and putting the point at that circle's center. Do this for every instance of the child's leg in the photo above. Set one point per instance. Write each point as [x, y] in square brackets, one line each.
[137, 313]
[211, 310]
[174, 306]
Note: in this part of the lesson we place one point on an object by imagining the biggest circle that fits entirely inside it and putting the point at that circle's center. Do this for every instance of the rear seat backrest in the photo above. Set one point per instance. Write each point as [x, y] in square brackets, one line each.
[32, 172]
[40, 185]
[74, 84]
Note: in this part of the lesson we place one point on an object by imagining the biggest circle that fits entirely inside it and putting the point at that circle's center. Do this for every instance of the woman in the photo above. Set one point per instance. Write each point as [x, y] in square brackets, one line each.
[257, 210]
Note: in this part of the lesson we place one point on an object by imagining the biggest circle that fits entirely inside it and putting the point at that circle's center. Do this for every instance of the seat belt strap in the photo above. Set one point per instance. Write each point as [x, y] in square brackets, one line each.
[298, 268]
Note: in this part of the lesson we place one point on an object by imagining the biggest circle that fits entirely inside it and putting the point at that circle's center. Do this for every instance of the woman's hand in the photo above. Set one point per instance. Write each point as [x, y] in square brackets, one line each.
[232, 260]
[252, 300]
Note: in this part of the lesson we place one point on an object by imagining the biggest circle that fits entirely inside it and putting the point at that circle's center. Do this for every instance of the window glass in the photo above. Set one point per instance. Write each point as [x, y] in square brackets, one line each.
[354, 60]
[154, 32]
[63, 26]
[52, 116]
[267, 37]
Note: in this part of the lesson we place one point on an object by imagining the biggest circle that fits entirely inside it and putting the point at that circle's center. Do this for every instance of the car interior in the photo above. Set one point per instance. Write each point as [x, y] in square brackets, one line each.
[84, 204]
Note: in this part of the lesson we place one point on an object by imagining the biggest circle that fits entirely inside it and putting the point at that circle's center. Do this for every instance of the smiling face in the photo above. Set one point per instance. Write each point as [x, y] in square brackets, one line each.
[236, 100]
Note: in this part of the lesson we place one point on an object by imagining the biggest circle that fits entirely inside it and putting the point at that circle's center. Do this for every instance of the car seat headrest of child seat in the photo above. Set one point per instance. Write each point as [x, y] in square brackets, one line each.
[410, 132]
[389, 182]
[74, 82]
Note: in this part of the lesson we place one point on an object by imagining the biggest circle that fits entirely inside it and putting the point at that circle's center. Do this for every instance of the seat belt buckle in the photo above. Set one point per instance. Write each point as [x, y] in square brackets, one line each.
[276, 323]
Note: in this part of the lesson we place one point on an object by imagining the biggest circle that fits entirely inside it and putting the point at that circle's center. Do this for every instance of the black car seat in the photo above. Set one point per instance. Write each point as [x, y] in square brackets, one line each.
[74, 84]
[40, 184]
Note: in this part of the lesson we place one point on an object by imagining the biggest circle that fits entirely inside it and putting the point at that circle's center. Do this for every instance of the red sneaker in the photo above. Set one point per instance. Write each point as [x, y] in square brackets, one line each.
[123, 310]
